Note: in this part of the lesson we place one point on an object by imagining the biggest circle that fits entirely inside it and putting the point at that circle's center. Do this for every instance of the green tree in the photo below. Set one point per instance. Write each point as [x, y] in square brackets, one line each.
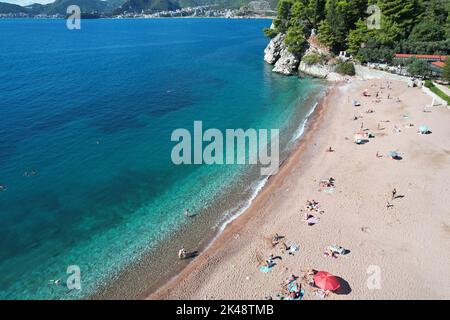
[281, 23]
[373, 51]
[427, 30]
[336, 22]
[270, 33]
[399, 16]
[446, 73]
[419, 68]
[317, 10]
[358, 37]
[295, 38]
[325, 36]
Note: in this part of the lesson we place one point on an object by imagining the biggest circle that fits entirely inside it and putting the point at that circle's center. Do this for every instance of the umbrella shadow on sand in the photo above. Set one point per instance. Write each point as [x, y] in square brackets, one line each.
[344, 288]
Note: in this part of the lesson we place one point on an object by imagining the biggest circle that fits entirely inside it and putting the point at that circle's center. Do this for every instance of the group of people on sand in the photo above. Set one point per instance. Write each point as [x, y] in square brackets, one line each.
[327, 183]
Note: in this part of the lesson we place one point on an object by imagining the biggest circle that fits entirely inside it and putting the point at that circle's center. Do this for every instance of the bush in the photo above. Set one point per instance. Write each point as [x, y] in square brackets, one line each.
[446, 73]
[270, 33]
[312, 58]
[295, 39]
[419, 68]
[346, 68]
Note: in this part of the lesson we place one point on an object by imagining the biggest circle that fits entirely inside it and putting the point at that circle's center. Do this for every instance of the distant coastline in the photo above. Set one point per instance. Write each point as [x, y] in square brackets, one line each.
[132, 18]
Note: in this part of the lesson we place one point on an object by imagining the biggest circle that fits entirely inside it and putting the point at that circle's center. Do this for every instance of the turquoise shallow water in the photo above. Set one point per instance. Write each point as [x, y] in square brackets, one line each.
[92, 111]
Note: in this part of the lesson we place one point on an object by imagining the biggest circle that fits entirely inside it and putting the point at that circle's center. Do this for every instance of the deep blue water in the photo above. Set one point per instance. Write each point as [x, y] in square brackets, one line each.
[91, 111]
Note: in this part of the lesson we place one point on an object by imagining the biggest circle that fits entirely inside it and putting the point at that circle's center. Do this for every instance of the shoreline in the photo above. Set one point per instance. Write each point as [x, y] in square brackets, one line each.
[199, 236]
[235, 224]
[355, 214]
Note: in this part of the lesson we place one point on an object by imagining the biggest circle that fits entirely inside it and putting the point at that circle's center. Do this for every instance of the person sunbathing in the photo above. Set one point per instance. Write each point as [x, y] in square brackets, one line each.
[291, 278]
[270, 263]
[307, 216]
[276, 240]
[330, 253]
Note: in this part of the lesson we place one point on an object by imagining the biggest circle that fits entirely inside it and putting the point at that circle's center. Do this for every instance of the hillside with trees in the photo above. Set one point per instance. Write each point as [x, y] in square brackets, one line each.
[406, 26]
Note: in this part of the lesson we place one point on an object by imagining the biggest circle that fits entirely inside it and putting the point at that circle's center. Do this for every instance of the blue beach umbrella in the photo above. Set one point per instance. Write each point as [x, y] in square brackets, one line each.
[393, 154]
[423, 129]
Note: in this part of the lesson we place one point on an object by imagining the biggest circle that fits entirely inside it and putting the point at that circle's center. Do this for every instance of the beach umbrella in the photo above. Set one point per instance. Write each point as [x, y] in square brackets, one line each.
[393, 154]
[423, 129]
[359, 137]
[326, 281]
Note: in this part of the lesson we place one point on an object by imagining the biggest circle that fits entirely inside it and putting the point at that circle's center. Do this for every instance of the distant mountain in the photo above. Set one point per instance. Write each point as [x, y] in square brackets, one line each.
[60, 6]
[35, 8]
[119, 6]
[11, 8]
[159, 5]
[151, 5]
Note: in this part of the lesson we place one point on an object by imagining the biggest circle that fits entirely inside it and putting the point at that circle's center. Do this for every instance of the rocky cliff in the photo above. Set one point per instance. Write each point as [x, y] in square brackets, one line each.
[284, 62]
[277, 54]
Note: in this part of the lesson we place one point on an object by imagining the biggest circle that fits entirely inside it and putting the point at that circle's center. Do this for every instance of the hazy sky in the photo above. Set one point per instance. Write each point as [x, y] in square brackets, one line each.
[27, 2]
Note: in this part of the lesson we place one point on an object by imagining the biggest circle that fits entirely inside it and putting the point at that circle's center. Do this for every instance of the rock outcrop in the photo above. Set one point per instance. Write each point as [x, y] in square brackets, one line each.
[277, 54]
[274, 48]
[315, 70]
[287, 64]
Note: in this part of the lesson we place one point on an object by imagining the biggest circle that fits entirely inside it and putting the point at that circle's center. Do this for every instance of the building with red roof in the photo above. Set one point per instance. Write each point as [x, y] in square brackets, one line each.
[437, 62]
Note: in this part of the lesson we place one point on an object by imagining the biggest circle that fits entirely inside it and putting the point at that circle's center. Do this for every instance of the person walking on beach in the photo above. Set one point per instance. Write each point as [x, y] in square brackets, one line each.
[186, 213]
[394, 193]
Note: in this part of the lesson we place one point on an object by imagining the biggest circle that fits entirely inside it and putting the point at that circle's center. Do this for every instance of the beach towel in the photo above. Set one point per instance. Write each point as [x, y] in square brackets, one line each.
[265, 269]
[328, 190]
[312, 221]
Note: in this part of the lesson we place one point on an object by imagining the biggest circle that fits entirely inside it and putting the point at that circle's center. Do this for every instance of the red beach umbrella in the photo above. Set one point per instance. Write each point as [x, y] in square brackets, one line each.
[326, 281]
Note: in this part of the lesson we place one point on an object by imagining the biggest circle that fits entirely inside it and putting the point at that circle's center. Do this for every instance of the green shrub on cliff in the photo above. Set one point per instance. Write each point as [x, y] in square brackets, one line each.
[346, 68]
[270, 33]
[312, 58]
[295, 39]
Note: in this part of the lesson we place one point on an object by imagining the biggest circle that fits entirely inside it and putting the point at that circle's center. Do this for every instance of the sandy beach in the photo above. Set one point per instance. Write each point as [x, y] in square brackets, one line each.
[398, 246]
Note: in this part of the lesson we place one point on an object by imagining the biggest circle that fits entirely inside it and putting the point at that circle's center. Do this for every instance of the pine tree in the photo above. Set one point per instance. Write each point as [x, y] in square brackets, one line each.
[358, 36]
[401, 15]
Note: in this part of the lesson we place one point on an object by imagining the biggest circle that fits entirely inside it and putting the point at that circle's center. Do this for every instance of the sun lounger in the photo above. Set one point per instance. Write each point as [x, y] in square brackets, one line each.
[265, 269]
[337, 249]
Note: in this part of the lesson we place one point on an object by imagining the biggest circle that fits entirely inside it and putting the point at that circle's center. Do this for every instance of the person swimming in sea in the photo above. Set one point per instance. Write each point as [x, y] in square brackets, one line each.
[3, 187]
[30, 174]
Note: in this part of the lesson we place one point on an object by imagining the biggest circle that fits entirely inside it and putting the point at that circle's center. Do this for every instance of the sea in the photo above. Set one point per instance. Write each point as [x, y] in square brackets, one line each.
[89, 191]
